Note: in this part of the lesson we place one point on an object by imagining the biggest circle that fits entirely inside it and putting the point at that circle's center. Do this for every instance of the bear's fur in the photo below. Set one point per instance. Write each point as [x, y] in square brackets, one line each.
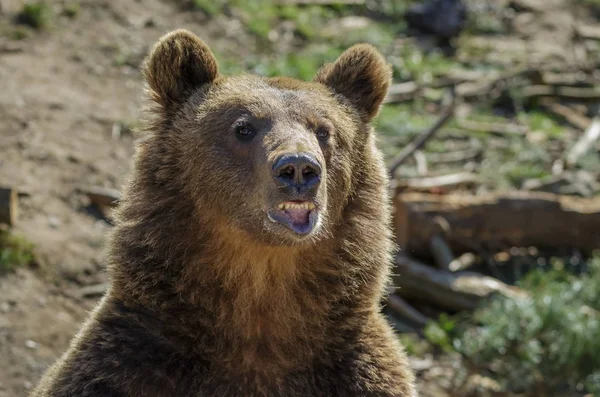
[209, 296]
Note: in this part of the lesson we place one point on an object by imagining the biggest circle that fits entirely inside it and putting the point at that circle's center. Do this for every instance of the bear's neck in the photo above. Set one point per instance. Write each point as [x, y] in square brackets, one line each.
[258, 301]
[271, 300]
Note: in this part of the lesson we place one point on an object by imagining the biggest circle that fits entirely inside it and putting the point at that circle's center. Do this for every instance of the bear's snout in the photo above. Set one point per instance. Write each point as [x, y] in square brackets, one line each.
[298, 172]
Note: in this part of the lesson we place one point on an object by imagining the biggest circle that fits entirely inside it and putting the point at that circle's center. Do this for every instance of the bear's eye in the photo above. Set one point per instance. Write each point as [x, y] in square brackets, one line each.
[323, 133]
[244, 132]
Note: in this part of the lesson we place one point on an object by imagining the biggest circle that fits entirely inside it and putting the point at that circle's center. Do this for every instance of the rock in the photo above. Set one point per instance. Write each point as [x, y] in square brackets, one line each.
[53, 222]
[95, 290]
[444, 19]
[31, 344]
[150, 23]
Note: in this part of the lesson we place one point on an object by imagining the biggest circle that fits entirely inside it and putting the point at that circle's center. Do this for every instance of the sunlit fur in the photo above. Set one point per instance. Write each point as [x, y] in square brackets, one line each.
[208, 298]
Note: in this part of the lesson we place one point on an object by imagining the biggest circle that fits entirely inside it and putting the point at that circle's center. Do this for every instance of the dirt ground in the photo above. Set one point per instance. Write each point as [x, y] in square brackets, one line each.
[64, 93]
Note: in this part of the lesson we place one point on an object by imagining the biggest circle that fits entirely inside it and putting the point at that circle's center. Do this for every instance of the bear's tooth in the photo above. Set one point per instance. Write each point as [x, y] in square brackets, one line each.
[281, 206]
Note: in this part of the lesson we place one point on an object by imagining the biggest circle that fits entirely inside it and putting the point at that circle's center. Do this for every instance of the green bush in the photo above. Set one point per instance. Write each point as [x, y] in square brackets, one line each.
[38, 15]
[547, 343]
[71, 10]
[14, 251]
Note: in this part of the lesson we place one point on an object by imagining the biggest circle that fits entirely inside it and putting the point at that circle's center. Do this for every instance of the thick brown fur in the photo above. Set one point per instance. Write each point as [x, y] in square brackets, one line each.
[209, 298]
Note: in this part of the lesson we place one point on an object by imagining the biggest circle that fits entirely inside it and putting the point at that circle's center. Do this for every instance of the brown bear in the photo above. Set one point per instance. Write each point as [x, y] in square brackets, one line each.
[252, 246]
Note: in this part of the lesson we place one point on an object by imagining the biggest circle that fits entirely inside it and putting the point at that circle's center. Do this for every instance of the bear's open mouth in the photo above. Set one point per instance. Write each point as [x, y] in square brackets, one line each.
[298, 216]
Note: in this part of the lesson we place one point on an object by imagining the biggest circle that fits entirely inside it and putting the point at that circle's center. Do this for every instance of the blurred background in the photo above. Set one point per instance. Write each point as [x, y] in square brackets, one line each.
[491, 132]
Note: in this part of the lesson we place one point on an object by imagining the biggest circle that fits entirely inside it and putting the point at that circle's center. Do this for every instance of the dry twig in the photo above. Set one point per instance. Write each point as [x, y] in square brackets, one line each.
[402, 308]
[573, 117]
[418, 143]
[584, 144]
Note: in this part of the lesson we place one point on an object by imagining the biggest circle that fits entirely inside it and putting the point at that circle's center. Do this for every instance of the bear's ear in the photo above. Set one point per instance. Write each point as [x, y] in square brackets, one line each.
[179, 63]
[360, 74]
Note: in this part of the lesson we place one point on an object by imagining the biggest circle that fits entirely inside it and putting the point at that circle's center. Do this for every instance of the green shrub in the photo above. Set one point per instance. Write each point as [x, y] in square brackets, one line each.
[547, 343]
[14, 251]
[38, 15]
[71, 10]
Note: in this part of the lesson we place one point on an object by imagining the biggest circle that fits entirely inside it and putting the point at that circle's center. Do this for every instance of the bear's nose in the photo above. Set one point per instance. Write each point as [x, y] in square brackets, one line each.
[299, 170]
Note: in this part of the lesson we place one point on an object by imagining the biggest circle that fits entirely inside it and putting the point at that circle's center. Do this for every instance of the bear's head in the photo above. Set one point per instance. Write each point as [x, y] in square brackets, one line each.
[275, 158]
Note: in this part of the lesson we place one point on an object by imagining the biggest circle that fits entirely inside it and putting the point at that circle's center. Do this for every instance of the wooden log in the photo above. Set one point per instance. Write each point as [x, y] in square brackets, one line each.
[402, 92]
[584, 144]
[570, 79]
[101, 196]
[9, 206]
[574, 118]
[463, 262]
[93, 291]
[453, 291]
[494, 86]
[492, 128]
[402, 308]
[441, 251]
[457, 156]
[320, 2]
[528, 5]
[520, 219]
[588, 31]
[440, 181]
[577, 93]
[421, 161]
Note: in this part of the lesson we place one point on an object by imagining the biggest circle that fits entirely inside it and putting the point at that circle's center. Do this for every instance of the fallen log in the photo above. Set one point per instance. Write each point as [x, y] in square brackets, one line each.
[453, 291]
[492, 128]
[457, 156]
[439, 181]
[493, 87]
[401, 308]
[588, 31]
[101, 196]
[463, 262]
[578, 93]
[421, 160]
[574, 118]
[93, 291]
[570, 79]
[520, 219]
[402, 92]
[585, 143]
[9, 203]
[319, 2]
[442, 253]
